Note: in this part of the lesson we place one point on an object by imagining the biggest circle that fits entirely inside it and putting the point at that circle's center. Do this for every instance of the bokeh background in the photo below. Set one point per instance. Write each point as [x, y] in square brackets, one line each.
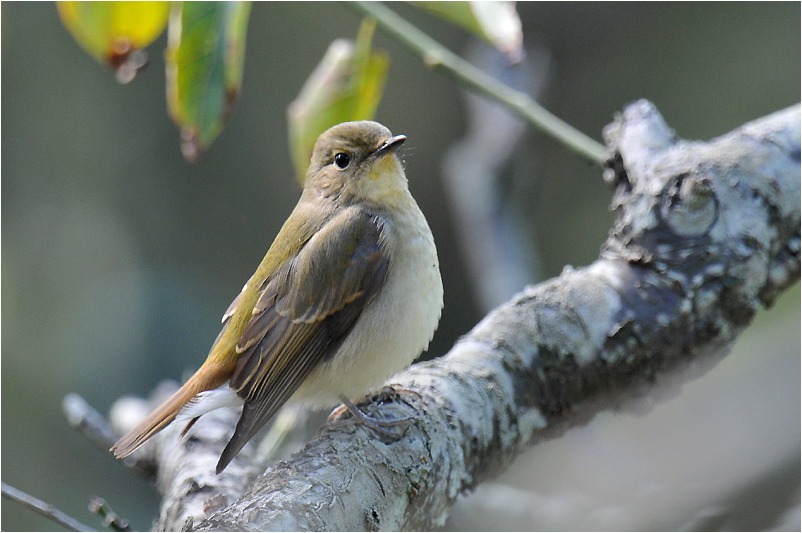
[118, 257]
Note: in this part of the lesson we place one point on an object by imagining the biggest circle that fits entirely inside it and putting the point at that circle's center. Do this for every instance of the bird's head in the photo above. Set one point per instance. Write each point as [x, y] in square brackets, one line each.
[357, 161]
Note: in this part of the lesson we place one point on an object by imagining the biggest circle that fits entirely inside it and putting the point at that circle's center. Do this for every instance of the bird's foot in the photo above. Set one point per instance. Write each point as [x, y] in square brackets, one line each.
[390, 427]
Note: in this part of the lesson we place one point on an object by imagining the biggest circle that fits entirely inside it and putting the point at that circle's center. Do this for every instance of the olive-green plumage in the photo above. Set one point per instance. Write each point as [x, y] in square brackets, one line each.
[348, 294]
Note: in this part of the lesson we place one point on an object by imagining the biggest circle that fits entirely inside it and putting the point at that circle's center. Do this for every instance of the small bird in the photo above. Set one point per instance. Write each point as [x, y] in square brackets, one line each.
[348, 294]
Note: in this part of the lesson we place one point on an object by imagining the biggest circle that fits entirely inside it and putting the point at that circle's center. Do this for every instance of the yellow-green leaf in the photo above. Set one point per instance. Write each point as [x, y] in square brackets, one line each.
[115, 33]
[495, 21]
[347, 84]
[205, 57]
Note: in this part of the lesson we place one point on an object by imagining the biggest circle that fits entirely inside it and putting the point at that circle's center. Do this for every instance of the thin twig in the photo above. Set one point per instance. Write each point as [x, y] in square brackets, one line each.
[88, 421]
[440, 58]
[98, 506]
[43, 508]
[96, 428]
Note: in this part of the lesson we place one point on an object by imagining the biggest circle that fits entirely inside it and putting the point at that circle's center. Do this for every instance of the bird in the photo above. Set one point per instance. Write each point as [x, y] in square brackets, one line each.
[348, 294]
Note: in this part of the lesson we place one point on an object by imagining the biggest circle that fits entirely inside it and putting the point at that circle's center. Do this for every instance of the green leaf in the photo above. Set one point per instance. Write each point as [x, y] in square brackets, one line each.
[496, 22]
[115, 33]
[205, 57]
[347, 84]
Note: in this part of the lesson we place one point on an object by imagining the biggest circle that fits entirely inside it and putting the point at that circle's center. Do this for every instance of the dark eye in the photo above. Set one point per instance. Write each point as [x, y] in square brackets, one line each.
[341, 159]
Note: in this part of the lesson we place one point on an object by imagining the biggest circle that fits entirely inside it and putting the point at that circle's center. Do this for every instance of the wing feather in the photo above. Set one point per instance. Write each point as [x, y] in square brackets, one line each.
[303, 314]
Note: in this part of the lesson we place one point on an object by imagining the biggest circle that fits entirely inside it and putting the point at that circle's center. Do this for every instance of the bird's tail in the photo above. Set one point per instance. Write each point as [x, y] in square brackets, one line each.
[161, 417]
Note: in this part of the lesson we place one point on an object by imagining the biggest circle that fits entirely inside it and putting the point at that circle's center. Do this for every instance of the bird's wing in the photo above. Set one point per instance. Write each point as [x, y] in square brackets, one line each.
[303, 314]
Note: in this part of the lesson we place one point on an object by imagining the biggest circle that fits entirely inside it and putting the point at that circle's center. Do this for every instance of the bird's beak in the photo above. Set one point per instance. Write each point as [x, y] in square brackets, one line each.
[390, 145]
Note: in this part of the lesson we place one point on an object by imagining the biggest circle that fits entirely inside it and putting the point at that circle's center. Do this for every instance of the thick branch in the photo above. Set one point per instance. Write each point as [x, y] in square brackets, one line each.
[705, 233]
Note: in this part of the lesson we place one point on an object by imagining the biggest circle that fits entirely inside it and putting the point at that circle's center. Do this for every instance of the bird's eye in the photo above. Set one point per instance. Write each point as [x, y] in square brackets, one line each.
[341, 159]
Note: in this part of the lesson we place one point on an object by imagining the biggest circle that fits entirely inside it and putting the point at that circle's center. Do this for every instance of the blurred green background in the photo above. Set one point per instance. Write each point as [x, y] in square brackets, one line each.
[118, 258]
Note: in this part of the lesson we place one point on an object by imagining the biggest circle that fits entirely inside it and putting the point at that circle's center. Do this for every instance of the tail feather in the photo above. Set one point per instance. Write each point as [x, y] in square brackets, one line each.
[165, 413]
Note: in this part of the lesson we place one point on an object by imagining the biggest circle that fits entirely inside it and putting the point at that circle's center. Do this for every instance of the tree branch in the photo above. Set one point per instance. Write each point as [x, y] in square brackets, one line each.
[704, 234]
[439, 58]
[43, 508]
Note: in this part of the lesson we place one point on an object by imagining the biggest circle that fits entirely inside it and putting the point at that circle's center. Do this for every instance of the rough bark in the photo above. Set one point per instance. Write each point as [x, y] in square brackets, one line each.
[705, 233]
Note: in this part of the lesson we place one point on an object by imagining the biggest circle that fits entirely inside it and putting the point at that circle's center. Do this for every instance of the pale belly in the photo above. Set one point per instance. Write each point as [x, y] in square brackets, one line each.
[392, 331]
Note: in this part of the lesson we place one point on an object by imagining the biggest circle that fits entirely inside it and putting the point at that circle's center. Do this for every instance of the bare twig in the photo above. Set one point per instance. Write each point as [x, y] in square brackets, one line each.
[111, 519]
[88, 421]
[43, 508]
[441, 59]
[500, 251]
[96, 428]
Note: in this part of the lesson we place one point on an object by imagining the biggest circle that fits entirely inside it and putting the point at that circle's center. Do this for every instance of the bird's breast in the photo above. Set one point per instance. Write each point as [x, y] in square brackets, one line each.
[396, 326]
